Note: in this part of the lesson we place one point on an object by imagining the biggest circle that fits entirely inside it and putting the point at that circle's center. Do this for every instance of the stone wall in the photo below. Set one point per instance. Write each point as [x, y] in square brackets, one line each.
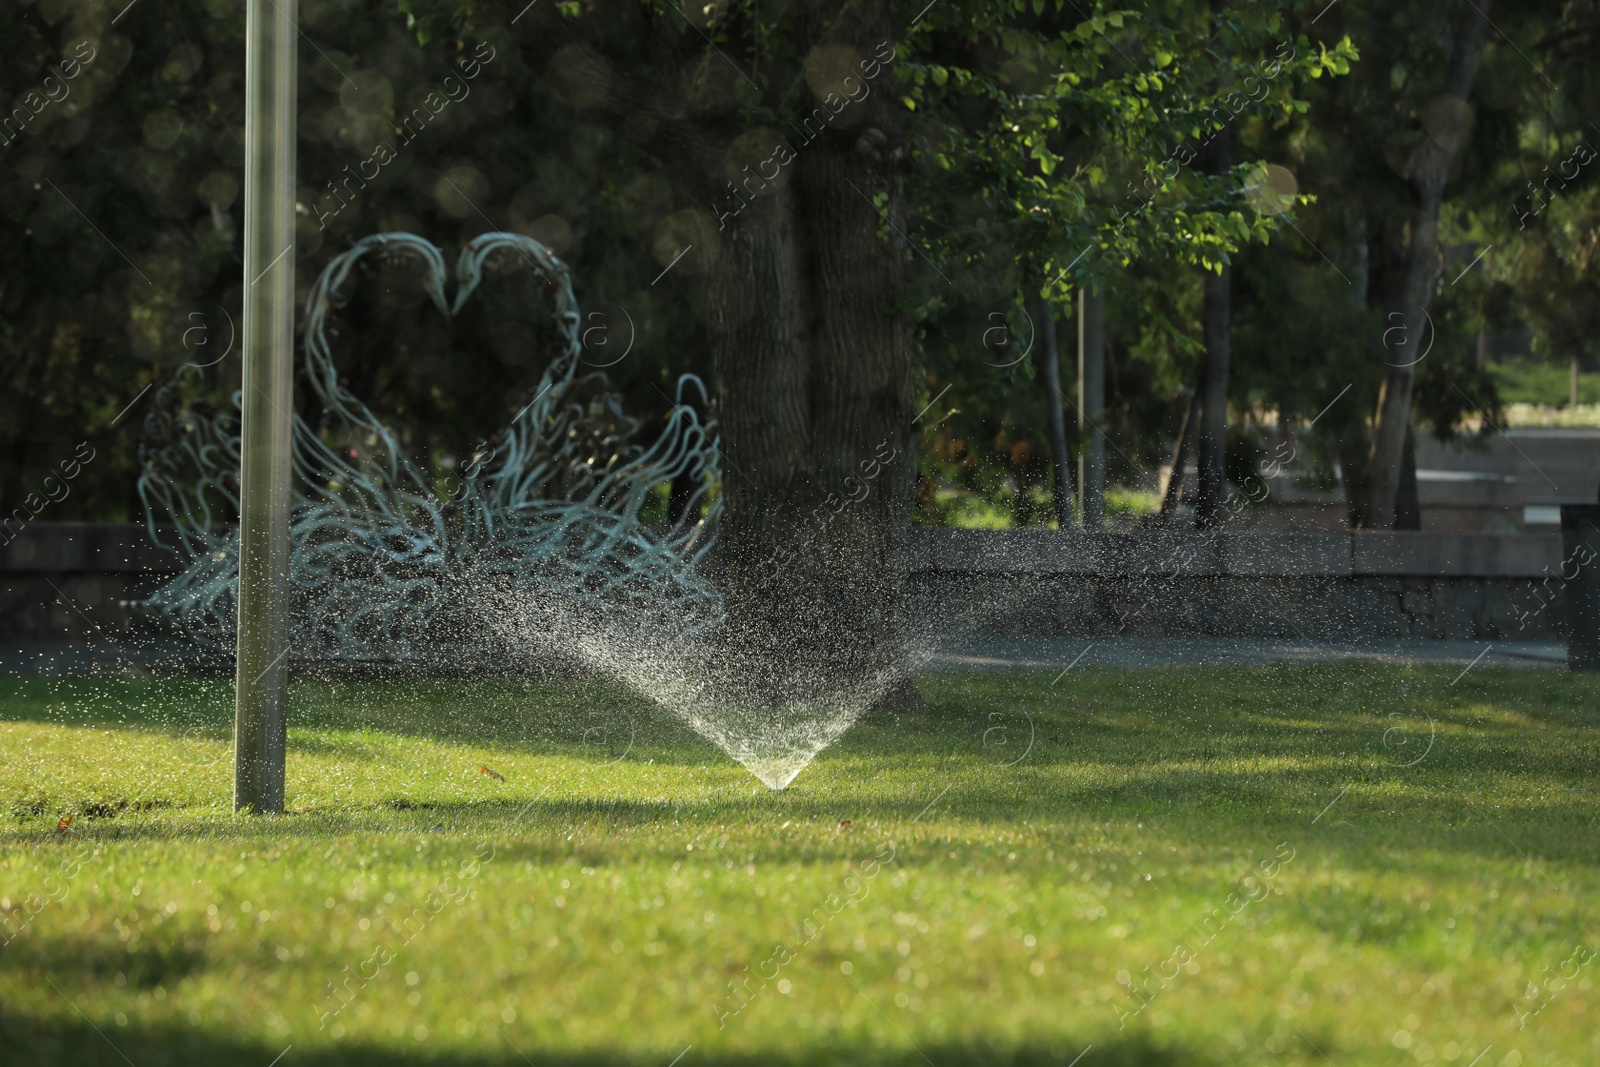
[1309, 585]
[71, 581]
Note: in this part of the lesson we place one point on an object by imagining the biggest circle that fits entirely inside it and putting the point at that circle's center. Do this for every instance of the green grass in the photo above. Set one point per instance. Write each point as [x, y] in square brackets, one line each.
[1533, 381]
[979, 907]
[1131, 505]
[966, 510]
[969, 511]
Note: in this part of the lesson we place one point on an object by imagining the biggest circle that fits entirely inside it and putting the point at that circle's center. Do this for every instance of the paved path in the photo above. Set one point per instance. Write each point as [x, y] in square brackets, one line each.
[967, 651]
[1001, 651]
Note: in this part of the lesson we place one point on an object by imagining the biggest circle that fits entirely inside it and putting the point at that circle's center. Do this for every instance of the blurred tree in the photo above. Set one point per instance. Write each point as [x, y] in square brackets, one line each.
[844, 172]
[1382, 147]
[814, 183]
[119, 228]
[1135, 173]
[1541, 208]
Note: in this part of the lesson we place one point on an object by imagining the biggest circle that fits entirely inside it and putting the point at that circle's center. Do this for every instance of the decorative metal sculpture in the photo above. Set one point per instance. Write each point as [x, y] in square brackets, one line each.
[382, 568]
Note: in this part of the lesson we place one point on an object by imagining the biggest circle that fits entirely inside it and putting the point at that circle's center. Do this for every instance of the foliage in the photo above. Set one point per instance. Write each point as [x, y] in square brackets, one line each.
[1062, 147]
[1055, 143]
[1305, 328]
[1034, 153]
[143, 158]
[1540, 200]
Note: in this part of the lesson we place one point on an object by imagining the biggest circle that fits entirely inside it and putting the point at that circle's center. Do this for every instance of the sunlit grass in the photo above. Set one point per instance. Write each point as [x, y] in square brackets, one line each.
[1367, 865]
[1548, 415]
[966, 510]
[1522, 380]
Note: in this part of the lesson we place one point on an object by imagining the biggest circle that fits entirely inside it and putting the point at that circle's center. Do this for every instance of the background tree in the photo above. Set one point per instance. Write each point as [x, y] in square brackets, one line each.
[142, 158]
[1540, 205]
[1386, 140]
[1003, 151]
[806, 264]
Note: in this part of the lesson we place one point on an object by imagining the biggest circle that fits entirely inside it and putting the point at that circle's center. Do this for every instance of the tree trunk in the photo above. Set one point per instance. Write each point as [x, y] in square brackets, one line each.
[1060, 460]
[1352, 474]
[802, 275]
[1406, 310]
[1091, 404]
[1216, 316]
[1407, 504]
[814, 377]
[815, 410]
[1180, 453]
[1211, 473]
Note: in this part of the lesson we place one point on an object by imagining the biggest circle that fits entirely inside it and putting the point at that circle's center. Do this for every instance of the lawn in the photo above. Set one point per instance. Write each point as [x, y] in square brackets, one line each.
[1327, 865]
[1531, 381]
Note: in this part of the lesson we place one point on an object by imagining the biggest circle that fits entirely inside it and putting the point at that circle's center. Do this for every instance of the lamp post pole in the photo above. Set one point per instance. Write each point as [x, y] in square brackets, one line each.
[267, 399]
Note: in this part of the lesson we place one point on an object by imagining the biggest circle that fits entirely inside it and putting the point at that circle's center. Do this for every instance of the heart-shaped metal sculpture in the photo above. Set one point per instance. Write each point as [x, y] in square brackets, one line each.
[383, 568]
[541, 553]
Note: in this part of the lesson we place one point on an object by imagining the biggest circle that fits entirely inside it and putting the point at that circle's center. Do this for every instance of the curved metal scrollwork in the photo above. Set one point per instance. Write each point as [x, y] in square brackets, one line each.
[384, 567]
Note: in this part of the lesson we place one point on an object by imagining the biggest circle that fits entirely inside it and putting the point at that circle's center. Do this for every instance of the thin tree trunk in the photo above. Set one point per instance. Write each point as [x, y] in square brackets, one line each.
[1427, 171]
[1216, 324]
[1210, 470]
[1091, 404]
[1180, 453]
[1060, 460]
[1352, 474]
[1407, 504]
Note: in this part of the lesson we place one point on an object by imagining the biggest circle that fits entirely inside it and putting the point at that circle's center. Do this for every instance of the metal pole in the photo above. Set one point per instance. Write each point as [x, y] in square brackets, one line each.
[261, 682]
[1092, 403]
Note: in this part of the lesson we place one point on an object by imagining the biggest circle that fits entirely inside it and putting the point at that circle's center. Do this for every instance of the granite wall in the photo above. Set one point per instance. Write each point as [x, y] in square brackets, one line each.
[72, 581]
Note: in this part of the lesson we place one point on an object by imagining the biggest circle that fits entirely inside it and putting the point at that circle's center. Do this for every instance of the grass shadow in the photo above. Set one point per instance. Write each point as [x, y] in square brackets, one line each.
[48, 1043]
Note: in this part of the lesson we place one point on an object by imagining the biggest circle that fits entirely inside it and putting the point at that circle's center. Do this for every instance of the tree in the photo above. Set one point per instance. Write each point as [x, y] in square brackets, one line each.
[835, 163]
[1137, 112]
[1540, 204]
[845, 179]
[1407, 271]
[137, 155]
[1387, 142]
[793, 216]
